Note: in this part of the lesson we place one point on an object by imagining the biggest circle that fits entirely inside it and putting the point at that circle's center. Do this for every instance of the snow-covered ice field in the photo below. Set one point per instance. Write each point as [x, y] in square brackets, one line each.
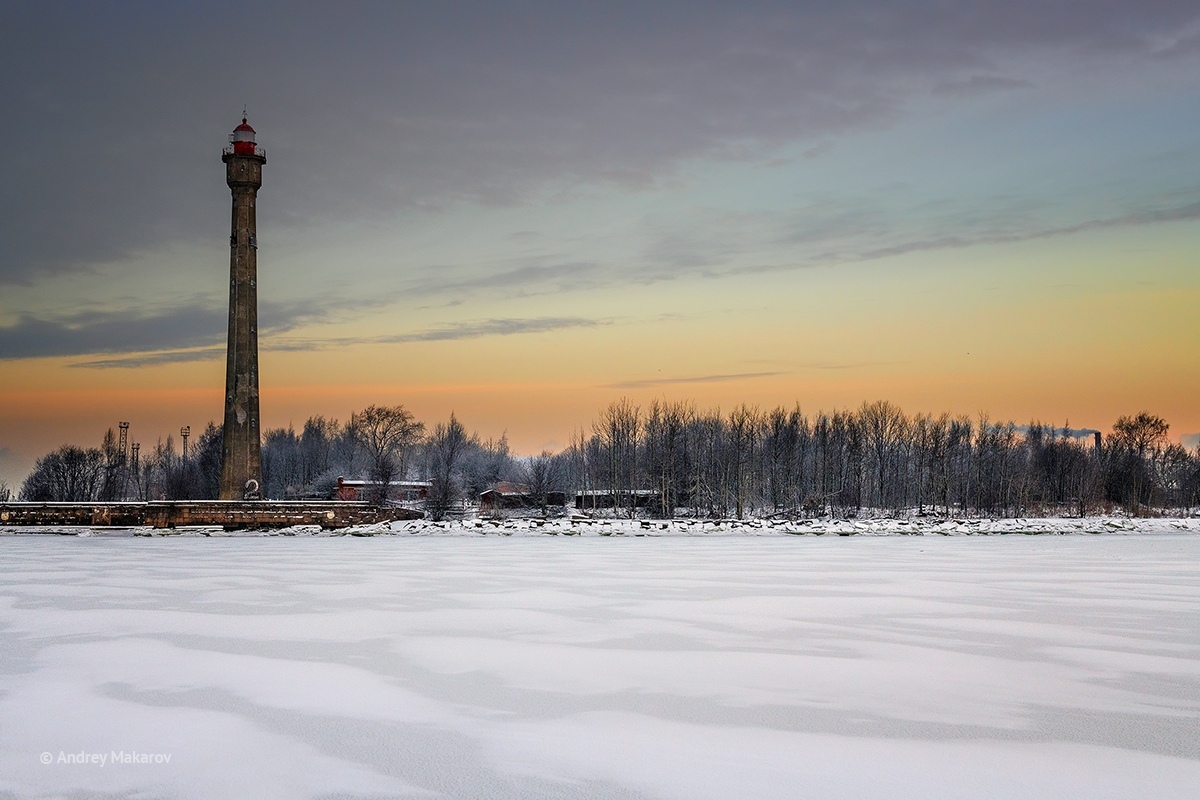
[684, 667]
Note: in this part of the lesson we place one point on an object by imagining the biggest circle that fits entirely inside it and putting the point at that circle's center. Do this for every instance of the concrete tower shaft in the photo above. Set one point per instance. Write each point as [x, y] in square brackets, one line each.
[241, 457]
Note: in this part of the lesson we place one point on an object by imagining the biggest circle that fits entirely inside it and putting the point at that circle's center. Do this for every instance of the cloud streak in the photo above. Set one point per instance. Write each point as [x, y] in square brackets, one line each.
[154, 359]
[447, 333]
[466, 330]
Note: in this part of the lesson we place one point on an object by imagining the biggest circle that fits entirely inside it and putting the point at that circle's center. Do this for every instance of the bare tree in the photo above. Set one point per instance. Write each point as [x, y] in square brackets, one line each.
[1132, 460]
[207, 473]
[743, 430]
[69, 474]
[281, 464]
[1140, 433]
[485, 463]
[617, 431]
[706, 438]
[884, 426]
[666, 453]
[386, 436]
[785, 446]
[444, 453]
[113, 484]
[542, 477]
[319, 449]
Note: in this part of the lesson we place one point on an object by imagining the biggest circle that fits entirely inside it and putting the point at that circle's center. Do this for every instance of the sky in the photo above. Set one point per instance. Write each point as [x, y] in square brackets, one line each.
[520, 212]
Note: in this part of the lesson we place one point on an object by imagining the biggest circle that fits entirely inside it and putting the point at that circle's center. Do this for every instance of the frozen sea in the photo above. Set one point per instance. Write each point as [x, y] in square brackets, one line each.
[601, 667]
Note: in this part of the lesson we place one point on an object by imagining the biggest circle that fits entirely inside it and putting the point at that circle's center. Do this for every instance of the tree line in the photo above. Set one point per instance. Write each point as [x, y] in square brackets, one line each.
[671, 458]
[379, 444]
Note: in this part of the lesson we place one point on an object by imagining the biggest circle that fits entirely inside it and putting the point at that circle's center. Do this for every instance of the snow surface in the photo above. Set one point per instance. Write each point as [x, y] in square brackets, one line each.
[686, 667]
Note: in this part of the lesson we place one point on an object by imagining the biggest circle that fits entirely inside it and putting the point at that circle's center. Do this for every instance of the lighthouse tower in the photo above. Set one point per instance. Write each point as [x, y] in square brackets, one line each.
[241, 456]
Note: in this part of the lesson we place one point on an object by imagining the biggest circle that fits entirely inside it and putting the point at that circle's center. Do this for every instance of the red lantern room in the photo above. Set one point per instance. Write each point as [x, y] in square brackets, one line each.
[243, 139]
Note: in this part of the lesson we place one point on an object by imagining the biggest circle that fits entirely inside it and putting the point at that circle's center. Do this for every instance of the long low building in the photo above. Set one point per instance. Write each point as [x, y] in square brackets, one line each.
[507, 496]
[397, 491]
[607, 498]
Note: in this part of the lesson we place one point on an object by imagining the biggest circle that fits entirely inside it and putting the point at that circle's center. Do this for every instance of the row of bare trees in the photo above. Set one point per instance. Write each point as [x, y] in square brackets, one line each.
[107, 473]
[379, 444]
[382, 444]
[671, 458]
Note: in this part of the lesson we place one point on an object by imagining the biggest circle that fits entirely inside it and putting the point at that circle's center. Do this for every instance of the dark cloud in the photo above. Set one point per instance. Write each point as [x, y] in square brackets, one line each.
[172, 328]
[186, 332]
[115, 113]
[648, 382]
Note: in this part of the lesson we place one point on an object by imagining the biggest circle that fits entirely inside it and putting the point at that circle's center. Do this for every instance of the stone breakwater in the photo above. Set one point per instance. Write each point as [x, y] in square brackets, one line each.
[231, 515]
[576, 526]
[782, 527]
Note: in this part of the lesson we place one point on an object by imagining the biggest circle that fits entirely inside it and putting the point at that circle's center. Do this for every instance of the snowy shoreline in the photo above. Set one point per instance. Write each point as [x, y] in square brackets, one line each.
[576, 526]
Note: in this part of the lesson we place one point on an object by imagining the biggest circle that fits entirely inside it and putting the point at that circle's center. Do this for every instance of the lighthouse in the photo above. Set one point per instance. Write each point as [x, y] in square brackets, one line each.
[241, 456]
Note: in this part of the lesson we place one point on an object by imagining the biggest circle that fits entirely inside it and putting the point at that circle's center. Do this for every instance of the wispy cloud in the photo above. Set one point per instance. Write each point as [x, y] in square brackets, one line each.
[719, 244]
[496, 327]
[882, 239]
[462, 330]
[648, 382]
[556, 276]
[154, 359]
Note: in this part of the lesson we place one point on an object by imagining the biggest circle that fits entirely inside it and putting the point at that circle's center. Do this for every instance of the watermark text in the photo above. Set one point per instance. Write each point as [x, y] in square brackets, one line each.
[105, 759]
